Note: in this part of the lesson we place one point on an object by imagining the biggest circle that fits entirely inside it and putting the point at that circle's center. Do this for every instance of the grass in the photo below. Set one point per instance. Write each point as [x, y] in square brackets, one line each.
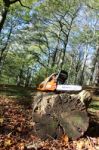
[20, 94]
[14, 91]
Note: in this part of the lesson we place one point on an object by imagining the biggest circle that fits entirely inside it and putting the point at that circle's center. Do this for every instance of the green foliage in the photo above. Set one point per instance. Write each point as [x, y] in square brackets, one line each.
[42, 74]
[66, 28]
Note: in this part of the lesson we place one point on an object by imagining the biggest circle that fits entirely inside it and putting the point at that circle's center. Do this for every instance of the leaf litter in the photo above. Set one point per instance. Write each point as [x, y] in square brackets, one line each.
[17, 131]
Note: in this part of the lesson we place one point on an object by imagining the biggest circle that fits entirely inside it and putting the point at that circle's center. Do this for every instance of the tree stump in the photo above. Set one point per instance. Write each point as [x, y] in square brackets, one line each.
[57, 114]
[93, 111]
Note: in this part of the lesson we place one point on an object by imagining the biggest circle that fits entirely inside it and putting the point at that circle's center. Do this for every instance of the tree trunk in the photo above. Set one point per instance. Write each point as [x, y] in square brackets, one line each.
[57, 114]
[56, 50]
[81, 80]
[27, 81]
[97, 75]
[20, 78]
[95, 61]
[93, 112]
[7, 4]
[93, 109]
[4, 13]
[3, 18]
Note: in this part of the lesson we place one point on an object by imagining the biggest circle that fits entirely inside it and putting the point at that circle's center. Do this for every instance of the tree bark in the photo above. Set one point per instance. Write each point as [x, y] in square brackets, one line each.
[20, 77]
[4, 13]
[93, 109]
[95, 61]
[4, 50]
[7, 4]
[66, 35]
[57, 114]
[81, 80]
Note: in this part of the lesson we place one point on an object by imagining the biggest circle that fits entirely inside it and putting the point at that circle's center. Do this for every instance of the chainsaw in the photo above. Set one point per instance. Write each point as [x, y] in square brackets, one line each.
[56, 82]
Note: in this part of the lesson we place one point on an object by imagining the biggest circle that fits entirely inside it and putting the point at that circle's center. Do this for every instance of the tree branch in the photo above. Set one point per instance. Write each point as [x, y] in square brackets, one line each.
[23, 5]
[37, 56]
[14, 1]
[91, 7]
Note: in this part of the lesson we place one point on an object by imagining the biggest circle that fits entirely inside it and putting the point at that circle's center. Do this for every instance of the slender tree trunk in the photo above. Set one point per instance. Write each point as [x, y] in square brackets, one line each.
[4, 50]
[97, 79]
[81, 80]
[76, 72]
[4, 13]
[2, 21]
[56, 49]
[77, 69]
[64, 51]
[67, 37]
[27, 82]
[20, 77]
[7, 4]
[70, 69]
[97, 69]
[95, 61]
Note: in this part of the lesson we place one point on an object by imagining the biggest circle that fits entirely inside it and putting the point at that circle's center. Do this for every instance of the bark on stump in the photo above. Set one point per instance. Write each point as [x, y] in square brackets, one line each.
[93, 111]
[93, 108]
[57, 114]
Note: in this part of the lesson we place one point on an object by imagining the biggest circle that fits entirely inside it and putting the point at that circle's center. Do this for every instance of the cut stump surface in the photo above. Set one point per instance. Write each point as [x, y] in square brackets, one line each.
[57, 114]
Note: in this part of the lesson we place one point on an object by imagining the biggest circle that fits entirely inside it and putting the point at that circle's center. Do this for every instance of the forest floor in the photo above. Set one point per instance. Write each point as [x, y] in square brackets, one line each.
[17, 127]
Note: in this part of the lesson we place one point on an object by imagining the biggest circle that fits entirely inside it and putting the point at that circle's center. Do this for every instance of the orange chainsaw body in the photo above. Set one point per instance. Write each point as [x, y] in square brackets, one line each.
[50, 83]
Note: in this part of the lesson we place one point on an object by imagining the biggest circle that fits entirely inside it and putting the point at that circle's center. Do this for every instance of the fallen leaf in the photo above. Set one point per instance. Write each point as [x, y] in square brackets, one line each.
[19, 129]
[80, 145]
[21, 146]
[64, 139]
[1, 121]
[7, 142]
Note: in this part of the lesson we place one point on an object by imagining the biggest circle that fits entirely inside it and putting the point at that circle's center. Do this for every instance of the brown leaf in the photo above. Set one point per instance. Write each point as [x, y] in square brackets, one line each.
[21, 146]
[64, 139]
[7, 142]
[19, 129]
[1, 121]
